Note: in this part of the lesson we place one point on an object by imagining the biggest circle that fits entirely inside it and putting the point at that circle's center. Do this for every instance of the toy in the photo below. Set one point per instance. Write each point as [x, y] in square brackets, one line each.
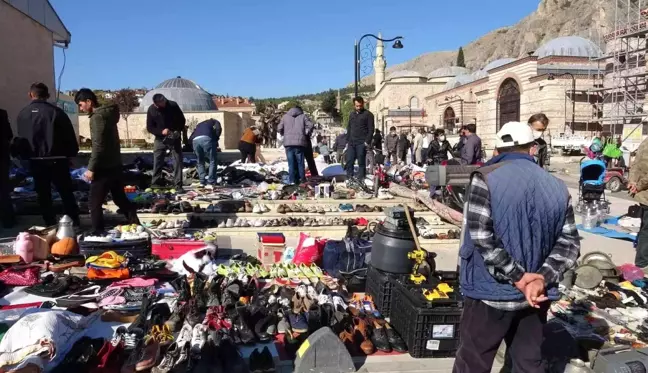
[24, 247]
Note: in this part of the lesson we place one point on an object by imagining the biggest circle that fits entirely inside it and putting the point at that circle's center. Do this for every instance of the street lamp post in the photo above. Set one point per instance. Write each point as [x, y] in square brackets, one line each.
[356, 59]
[573, 97]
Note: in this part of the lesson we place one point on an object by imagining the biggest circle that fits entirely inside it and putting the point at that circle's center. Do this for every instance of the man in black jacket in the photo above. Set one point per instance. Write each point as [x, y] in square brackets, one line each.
[105, 166]
[7, 217]
[361, 129]
[48, 141]
[165, 120]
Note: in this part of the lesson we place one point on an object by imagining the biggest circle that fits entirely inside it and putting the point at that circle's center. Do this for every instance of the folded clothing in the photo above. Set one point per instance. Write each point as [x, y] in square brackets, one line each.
[108, 274]
[108, 259]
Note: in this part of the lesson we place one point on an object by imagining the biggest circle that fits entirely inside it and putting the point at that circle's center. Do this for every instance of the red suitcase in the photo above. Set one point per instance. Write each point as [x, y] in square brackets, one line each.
[174, 248]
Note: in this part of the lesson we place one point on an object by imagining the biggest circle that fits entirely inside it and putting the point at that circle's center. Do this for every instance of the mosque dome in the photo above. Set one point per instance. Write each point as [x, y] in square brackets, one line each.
[448, 71]
[573, 46]
[483, 72]
[458, 81]
[404, 74]
[189, 95]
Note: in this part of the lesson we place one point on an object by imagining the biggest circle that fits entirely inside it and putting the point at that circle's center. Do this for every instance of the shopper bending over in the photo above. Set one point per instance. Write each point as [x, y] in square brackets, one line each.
[105, 169]
[296, 128]
[248, 144]
[205, 144]
[519, 240]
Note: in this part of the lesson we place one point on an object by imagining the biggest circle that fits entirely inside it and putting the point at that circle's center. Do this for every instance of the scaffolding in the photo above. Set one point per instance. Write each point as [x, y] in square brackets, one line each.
[619, 84]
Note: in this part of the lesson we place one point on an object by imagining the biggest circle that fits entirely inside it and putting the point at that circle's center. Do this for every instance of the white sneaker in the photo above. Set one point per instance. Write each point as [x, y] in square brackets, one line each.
[221, 224]
[265, 208]
[338, 301]
[185, 335]
[259, 223]
[301, 291]
[209, 186]
[246, 223]
[238, 223]
[312, 294]
[257, 209]
[198, 339]
[230, 223]
[384, 194]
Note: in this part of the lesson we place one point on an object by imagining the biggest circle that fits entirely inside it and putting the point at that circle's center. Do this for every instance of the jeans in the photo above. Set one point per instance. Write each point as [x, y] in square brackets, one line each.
[641, 258]
[296, 172]
[104, 181]
[159, 156]
[358, 152]
[57, 172]
[205, 149]
[483, 328]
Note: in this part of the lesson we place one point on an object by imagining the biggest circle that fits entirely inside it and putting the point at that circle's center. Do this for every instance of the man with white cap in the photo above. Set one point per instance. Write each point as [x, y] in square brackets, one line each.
[519, 240]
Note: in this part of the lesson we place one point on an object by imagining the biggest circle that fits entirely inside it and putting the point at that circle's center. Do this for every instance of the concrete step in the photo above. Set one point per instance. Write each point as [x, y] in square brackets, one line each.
[323, 201]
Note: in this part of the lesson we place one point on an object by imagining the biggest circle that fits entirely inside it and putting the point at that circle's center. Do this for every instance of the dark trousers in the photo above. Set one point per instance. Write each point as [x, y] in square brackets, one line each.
[248, 152]
[57, 172]
[483, 328]
[205, 149]
[310, 159]
[358, 152]
[7, 217]
[327, 159]
[159, 156]
[391, 157]
[295, 156]
[340, 157]
[641, 258]
[403, 155]
[104, 181]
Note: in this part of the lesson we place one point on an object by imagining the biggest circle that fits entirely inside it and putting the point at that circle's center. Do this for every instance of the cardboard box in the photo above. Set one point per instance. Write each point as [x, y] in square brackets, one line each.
[270, 253]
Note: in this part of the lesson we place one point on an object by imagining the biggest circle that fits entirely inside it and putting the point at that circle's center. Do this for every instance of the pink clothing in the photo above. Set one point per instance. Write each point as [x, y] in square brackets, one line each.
[135, 282]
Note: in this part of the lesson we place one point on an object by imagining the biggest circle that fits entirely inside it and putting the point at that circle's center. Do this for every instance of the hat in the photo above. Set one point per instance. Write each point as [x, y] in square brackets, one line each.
[514, 134]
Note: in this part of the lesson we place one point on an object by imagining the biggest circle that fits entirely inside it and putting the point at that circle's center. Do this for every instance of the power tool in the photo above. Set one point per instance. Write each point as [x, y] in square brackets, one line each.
[419, 256]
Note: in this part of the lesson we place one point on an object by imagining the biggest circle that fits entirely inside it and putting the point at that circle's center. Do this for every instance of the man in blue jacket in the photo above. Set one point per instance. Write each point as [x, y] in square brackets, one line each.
[205, 143]
[519, 239]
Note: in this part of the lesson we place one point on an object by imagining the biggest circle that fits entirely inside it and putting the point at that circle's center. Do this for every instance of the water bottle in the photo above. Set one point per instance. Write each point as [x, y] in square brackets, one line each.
[590, 220]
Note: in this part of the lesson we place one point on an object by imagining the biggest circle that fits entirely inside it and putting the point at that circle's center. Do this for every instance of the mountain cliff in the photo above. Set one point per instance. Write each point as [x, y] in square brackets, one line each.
[553, 18]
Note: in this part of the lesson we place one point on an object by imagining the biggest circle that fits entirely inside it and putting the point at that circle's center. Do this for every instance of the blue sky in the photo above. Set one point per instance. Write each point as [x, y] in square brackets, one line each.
[258, 48]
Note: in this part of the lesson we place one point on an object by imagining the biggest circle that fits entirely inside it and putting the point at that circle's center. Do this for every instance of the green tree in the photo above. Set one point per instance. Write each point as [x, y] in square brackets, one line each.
[328, 103]
[461, 60]
[347, 108]
[291, 104]
[126, 100]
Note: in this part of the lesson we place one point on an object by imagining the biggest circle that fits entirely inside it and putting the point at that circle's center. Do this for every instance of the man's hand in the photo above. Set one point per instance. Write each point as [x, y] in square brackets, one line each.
[535, 293]
[165, 131]
[89, 175]
[526, 279]
[632, 188]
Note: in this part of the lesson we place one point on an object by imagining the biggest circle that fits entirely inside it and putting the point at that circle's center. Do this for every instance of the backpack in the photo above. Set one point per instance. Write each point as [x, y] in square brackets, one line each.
[346, 255]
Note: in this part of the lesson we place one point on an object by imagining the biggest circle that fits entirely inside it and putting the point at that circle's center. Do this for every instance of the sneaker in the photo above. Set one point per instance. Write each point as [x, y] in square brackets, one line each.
[267, 361]
[169, 359]
[185, 335]
[384, 194]
[181, 363]
[229, 223]
[283, 326]
[257, 209]
[221, 224]
[198, 339]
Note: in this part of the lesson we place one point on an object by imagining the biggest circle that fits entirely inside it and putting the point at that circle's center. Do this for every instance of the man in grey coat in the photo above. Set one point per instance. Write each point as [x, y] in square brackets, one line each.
[296, 129]
[471, 152]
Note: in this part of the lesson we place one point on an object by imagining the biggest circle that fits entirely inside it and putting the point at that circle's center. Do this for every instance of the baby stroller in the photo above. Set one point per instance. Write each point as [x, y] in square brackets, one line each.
[591, 185]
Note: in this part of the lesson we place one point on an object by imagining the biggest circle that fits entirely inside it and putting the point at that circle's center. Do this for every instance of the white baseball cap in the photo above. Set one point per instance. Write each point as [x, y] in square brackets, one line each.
[514, 134]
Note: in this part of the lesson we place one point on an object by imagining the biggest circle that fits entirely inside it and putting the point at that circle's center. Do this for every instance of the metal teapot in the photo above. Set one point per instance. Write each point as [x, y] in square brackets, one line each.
[65, 228]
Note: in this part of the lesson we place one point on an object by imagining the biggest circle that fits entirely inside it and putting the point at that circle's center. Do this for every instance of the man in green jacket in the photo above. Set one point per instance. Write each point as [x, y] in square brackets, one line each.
[105, 166]
[638, 187]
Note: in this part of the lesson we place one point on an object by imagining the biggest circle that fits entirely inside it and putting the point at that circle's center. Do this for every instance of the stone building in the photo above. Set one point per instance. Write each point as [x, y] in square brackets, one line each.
[29, 29]
[503, 90]
[197, 105]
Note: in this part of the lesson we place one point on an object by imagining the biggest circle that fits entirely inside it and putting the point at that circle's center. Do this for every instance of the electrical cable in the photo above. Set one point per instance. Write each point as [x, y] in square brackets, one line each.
[60, 77]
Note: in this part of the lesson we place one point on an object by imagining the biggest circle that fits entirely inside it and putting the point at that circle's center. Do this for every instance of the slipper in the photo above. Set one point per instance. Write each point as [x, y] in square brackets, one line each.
[306, 271]
[261, 272]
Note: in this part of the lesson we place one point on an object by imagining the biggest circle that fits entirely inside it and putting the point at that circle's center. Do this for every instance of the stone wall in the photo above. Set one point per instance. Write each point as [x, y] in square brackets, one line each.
[135, 128]
[27, 57]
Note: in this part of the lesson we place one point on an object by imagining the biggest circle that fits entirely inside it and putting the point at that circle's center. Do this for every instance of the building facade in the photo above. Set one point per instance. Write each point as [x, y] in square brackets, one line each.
[28, 58]
[504, 90]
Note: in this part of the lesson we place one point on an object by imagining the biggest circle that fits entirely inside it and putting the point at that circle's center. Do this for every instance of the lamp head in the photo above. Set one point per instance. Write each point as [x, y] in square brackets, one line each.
[397, 45]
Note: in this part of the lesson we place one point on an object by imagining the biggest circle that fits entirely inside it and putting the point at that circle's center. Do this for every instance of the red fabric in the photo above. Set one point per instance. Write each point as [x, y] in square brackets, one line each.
[20, 277]
[309, 250]
[19, 306]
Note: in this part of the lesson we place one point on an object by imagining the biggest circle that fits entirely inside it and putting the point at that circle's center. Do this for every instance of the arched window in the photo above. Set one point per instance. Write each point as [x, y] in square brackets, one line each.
[449, 119]
[508, 103]
[414, 103]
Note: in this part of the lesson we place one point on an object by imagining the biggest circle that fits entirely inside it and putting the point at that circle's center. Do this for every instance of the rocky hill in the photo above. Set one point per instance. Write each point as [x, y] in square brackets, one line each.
[553, 18]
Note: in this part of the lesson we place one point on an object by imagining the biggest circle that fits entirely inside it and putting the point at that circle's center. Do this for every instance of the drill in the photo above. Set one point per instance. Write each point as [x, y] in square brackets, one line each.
[419, 256]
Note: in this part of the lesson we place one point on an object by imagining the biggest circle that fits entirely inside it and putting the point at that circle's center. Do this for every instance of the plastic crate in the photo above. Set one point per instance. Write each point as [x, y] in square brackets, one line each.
[429, 328]
[379, 286]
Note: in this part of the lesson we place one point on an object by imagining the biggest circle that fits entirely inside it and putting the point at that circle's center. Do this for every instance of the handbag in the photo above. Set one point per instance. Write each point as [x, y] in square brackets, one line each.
[612, 151]
[345, 256]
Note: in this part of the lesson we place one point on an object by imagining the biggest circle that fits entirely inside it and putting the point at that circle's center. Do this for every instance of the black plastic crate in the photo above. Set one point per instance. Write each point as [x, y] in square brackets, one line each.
[429, 328]
[379, 286]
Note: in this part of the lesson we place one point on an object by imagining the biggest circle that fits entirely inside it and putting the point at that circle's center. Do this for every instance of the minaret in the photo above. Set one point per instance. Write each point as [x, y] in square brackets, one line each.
[379, 64]
[338, 101]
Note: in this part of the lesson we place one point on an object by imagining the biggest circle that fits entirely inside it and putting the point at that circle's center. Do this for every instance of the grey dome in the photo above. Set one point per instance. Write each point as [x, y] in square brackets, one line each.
[479, 74]
[448, 71]
[458, 81]
[404, 74]
[189, 95]
[573, 46]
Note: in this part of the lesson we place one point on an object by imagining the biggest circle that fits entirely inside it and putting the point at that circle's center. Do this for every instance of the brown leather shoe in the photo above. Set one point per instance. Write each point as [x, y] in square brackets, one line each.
[150, 355]
[346, 336]
[298, 303]
[361, 335]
